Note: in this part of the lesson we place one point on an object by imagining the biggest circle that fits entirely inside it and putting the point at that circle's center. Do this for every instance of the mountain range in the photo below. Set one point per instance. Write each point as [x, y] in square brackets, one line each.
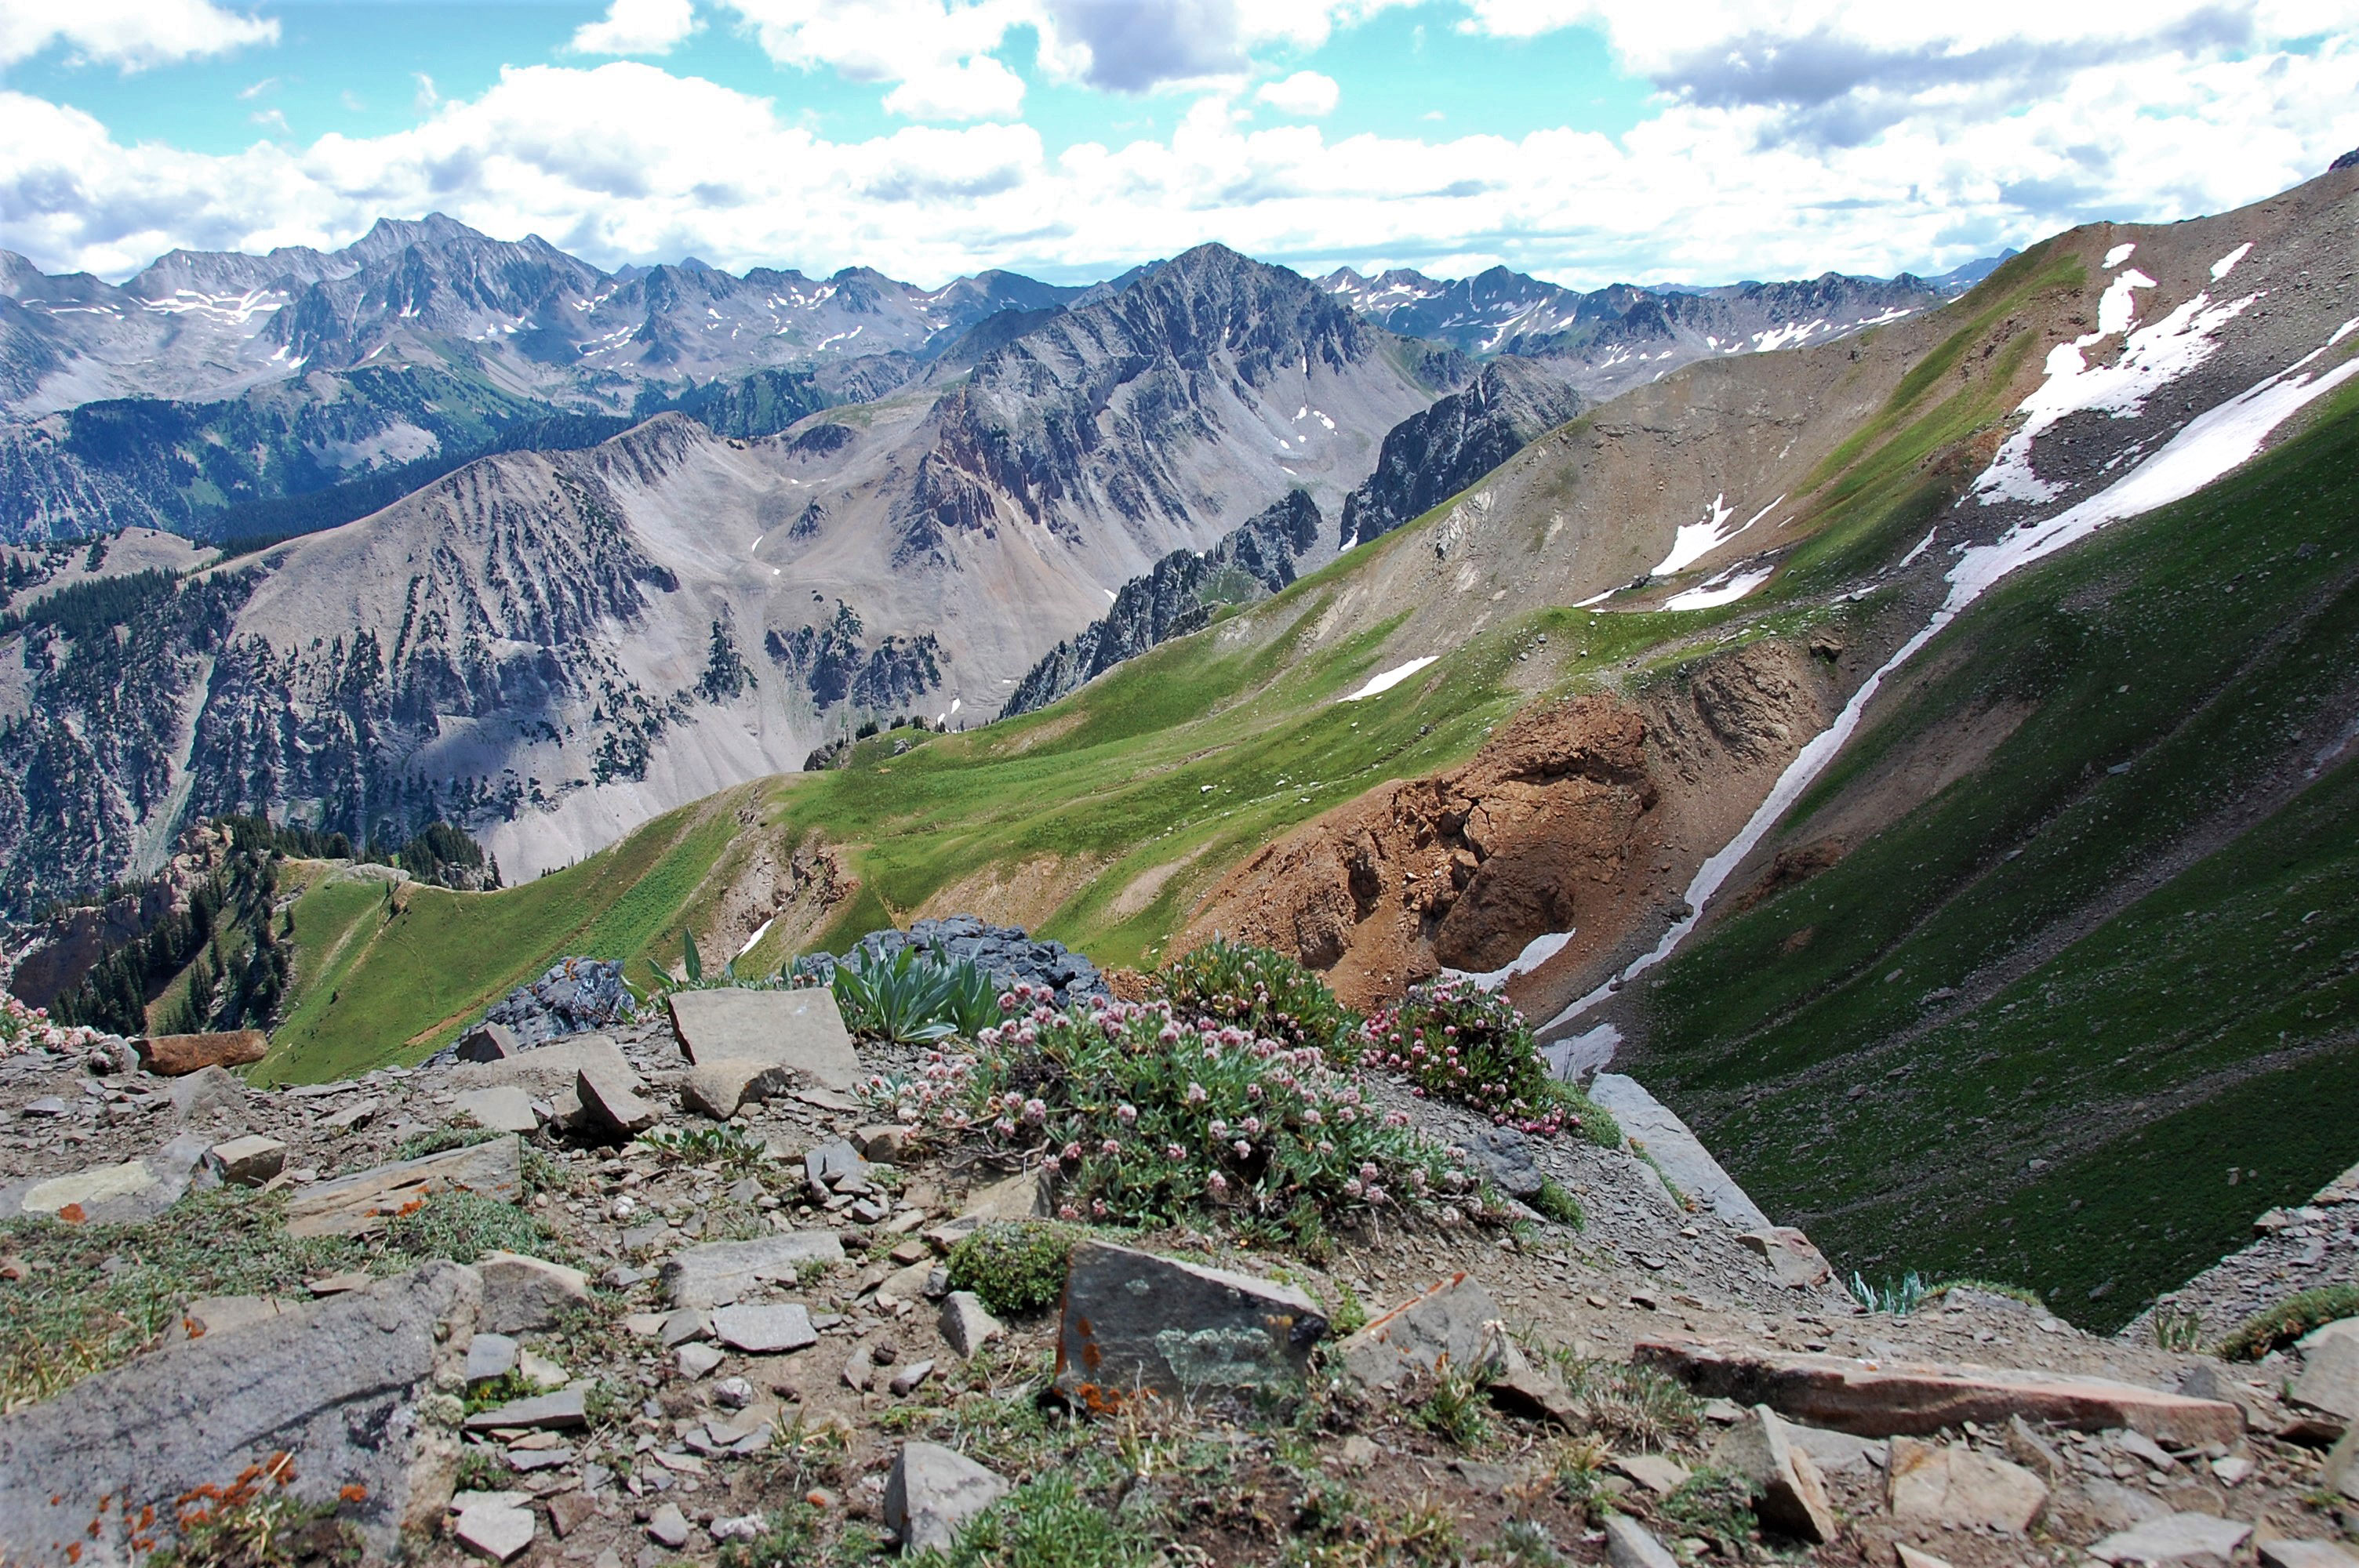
[1923, 754]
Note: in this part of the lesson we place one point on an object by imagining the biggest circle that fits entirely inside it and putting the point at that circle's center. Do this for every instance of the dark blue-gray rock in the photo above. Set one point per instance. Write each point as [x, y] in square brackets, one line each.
[1511, 1159]
[338, 1384]
[575, 996]
[1137, 1324]
[1003, 952]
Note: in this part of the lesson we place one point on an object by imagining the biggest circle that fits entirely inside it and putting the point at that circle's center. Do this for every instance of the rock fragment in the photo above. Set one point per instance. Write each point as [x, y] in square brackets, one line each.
[800, 1031]
[497, 1530]
[768, 1329]
[503, 1107]
[522, 1293]
[1950, 1485]
[566, 1408]
[2330, 1370]
[2289, 1553]
[668, 1526]
[177, 1055]
[2197, 1541]
[208, 1091]
[1135, 1323]
[487, 1042]
[491, 1356]
[966, 1324]
[361, 1204]
[721, 1271]
[719, 1089]
[1629, 1544]
[1793, 1261]
[607, 1101]
[247, 1161]
[1790, 1499]
[1456, 1321]
[932, 1491]
[1891, 1399]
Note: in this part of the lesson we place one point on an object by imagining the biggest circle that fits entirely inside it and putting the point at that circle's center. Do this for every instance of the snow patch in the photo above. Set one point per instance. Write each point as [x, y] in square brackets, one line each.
[1722, 589]
[1922, 545]
[1697, 540]
[2227, 264]
[2152, 356]
[759, 932]
[2119, 255]
[1387, 679]
[1537, 951]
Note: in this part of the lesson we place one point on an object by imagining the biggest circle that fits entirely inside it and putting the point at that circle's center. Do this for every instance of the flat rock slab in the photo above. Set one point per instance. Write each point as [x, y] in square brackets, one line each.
[2175, 1538]
[503, 1107]
[799, 1029]
[1793, 1261]
[1629, 1544]
[360, 1204]
[496, 1530]
[1949, 1486]
[769, 1329]
[1871, 1399]
[176, 1055]
[1456, 1321]
[2306, 1554]
[931, 1491]
[337, 1385]
[720, 1272]
[247, 1161]
[548, 1070]
[608, 1100]
[1653, 1126]
[1135, 1323]
[719, 1088]
[131, 1190]
[566, 1408]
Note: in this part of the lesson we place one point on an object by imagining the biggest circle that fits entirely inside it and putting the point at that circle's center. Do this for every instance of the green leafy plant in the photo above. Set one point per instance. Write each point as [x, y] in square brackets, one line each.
[1897, 1298]
[1147, 1119]
[1263, 991]
[463, 1225]
[2274, 1329]
[1716, 1506]
[2177, 1328]
[1630, 1404]
[1460, 1043]
[913, 997]
[1015, 1265]
[1458, 1411]
[789, 1537]
[731, 1148]
[1553, 1202]
[1049, 1523]
[1351, 1314]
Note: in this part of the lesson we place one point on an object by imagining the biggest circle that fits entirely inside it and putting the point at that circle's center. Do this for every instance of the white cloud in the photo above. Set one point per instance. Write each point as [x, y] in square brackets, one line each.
[637, 27]
[1305, 92]
[978, 89]
[628, 162]
[131, 34]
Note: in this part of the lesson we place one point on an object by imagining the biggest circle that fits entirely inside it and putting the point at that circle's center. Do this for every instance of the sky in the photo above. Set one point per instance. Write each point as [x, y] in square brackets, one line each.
[1583, 141]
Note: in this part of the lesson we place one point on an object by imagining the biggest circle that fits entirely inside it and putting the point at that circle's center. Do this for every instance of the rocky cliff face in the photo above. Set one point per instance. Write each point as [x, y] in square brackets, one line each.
[1181, 594]
[1431, 457]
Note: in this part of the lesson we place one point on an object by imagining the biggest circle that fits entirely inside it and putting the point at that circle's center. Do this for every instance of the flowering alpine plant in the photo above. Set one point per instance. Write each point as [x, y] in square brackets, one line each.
[26, 1028]
[1148, 1118]
[1458, 1042]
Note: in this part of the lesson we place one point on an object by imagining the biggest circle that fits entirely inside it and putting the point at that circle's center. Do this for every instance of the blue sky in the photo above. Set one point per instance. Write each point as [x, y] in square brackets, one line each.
[1583, 140]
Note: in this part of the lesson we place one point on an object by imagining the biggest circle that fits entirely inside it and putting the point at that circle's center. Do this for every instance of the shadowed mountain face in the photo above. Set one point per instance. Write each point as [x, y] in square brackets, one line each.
[550, 646]
[212, 379]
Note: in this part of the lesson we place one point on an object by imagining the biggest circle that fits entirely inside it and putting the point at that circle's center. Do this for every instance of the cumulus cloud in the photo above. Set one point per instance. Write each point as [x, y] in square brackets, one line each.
[626, 162]
[977, 88]
[1305, 94]
[1840, 71]
[637, 27]
[935, 53]
[130, 34]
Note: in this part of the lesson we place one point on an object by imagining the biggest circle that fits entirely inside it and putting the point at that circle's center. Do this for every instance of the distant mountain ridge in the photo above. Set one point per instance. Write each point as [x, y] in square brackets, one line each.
[1608, 340]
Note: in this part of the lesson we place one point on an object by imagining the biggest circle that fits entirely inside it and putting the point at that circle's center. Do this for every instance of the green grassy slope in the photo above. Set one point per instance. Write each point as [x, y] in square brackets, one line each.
[2150, 914]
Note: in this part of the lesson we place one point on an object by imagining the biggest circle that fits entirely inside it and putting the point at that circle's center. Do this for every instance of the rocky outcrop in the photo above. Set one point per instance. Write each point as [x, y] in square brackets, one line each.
[1180, 595]
[1430, 457]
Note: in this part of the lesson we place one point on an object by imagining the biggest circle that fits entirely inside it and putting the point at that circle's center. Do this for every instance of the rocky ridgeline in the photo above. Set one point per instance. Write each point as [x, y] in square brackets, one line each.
[739, 1331]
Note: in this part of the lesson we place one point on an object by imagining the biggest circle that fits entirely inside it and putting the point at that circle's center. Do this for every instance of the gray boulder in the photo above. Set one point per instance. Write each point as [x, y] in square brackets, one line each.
[1456, 1322]
[720, 1272]
[932, 1491]
[799, 1031]
[127, 1189]
[522, 1293]
[1790, 1497]
[339, 1386]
